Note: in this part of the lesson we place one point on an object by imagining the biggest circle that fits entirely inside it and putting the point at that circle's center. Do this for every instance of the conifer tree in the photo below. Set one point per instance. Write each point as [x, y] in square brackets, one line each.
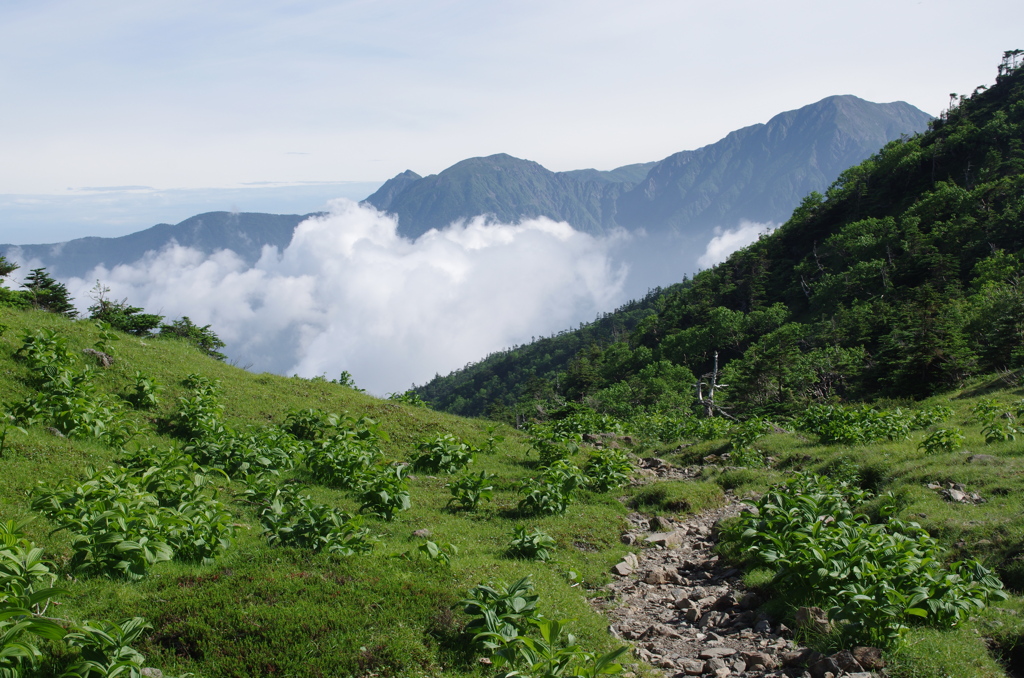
[48, 294]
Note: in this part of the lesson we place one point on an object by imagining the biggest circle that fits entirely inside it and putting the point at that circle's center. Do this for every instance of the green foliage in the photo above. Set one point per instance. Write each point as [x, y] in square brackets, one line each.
[66, 398]
[346, 380]
[555, 654]
[666, 428]
[203, 338]
[8, 424]
[876, 579]
[743, 435]
[26, 590]
[122, 522]
[469, 490]
[552, 493]
[385, 492]
[444, 453]
[500, 612]
[105, 649]
[6, 267]
[121, 315]
[344, 460]
[859, 425]
[309, 424]
[535, 545]
[291, 519]
[107, 335]
[1000, 431]
[942, 440]
[145, 393]
[492, 441]
[410, 397]
[607, 469]
[554, 444]
[48, 294]
[432, 552]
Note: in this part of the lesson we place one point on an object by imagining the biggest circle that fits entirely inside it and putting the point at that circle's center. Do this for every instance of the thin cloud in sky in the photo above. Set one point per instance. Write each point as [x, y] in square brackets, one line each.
[348, 293]
[204, 94]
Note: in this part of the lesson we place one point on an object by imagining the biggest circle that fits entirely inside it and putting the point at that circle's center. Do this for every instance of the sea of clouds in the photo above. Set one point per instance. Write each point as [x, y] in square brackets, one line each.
[349, 293]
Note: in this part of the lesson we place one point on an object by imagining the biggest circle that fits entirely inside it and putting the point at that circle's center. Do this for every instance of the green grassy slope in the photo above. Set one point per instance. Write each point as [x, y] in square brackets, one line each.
[261, 610]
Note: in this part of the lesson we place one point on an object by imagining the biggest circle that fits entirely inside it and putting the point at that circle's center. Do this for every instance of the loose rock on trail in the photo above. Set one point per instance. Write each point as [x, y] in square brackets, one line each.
[688, 613]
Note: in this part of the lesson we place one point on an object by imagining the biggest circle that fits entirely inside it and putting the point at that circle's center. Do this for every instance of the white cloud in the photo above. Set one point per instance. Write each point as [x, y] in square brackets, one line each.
[728, 241]
[348, 293]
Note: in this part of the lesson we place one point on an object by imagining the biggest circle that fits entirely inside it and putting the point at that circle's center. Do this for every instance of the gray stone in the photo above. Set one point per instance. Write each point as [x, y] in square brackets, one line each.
[758, 661]
[659, 524]
[799, 657]
[667, 631]
[749, 601]
[955, 495]
[717, 652]
[655, 577]
[422, 533]
[723, 602]
[712, 619]
[713, 664]
[692, 667]
[824, 666]
[102, 358]
[622, 569]
[869, 657]
[150, 672]
[845, 660]
[981, 459]
[666, 539]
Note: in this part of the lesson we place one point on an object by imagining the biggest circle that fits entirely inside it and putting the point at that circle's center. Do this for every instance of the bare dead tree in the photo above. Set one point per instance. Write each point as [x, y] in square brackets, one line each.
[710, 381]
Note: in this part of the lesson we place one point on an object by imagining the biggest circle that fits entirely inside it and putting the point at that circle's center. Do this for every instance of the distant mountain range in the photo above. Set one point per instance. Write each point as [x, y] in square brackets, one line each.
[244, 233]
[759, 173]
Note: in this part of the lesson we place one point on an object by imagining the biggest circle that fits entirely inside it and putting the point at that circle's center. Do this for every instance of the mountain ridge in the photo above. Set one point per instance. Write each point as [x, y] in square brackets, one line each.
[245, 233]
[757, 173]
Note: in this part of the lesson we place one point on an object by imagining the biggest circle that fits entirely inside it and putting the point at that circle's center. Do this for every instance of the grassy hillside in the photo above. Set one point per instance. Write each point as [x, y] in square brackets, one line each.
[261, 608]
[258, 609]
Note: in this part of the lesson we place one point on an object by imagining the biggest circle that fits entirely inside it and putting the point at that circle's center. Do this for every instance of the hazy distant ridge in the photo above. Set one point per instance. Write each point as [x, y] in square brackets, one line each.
[758, 173]
[244, 233]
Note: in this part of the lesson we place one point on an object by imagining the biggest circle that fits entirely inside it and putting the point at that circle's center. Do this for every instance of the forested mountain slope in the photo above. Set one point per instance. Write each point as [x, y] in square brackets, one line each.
[903, 279]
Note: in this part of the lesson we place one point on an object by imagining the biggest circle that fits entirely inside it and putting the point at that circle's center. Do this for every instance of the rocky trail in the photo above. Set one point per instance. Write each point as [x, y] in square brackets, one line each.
[688, 614]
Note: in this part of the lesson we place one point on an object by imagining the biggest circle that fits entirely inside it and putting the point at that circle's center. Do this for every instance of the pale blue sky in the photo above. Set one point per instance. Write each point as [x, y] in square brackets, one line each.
[185, 94]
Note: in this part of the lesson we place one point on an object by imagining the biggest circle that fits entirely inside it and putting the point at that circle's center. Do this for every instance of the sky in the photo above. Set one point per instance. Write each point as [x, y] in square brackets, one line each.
[118, 115]
[180, 100]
